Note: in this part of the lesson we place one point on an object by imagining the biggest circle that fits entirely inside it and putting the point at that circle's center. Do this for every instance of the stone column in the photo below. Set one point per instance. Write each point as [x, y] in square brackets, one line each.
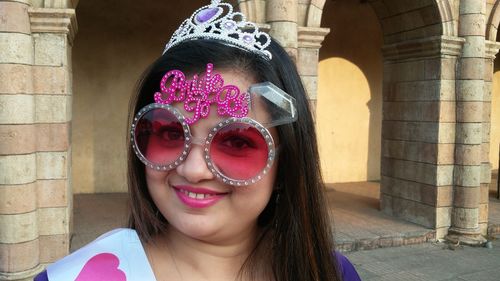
[418, 129]
[469, 130]
[53, 32]
[19, 235]
[309, 43]
[35, 107]
[282, 16]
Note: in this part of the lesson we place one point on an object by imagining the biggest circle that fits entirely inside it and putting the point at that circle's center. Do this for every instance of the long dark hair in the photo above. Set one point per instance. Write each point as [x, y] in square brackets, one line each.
[296, 241]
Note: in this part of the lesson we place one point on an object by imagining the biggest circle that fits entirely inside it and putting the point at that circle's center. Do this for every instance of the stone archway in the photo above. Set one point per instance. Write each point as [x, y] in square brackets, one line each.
[414, 43]
[427, 164]
[492, 22]
[417, 158]
[422, 43]
[434, 174]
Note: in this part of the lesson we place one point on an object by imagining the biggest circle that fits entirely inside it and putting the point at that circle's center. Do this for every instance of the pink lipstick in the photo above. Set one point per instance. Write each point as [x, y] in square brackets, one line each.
[197, 197]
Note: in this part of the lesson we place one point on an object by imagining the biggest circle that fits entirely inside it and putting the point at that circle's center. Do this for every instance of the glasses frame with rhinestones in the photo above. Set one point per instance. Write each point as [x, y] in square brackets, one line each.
[190, 140]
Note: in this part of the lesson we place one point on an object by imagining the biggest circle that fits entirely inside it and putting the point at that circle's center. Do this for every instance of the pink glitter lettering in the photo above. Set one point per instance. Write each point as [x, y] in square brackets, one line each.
[198, 94]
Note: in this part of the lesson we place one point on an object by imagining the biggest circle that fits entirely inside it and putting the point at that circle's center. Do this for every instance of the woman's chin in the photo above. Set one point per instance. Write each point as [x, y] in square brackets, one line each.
[198, 231]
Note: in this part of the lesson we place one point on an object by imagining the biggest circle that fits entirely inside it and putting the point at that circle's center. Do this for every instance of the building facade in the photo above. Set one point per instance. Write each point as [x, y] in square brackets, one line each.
[432, 108]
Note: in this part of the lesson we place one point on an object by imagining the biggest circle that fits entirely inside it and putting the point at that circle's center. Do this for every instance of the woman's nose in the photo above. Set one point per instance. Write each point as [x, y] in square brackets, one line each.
[194, 168]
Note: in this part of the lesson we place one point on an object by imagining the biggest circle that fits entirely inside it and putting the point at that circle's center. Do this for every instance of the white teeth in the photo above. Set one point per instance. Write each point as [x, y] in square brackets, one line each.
[195, 195]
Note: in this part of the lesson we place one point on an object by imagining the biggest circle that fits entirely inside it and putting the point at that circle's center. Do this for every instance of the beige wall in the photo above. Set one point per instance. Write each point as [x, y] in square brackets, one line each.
[116, 41]
[349, 110]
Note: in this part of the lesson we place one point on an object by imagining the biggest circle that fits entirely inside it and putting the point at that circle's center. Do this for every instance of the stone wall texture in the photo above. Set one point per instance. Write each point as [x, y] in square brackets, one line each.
[35, 118]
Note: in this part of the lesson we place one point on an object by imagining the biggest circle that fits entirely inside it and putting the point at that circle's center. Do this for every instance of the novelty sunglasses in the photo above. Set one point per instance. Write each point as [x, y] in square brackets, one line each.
[239, 150]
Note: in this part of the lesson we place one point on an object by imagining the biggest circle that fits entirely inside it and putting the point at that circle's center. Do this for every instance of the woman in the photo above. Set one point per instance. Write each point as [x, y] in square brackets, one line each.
[224, 179]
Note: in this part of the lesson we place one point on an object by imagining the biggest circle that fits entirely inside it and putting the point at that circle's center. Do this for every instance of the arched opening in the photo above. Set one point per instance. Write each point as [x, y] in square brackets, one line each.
[349, 110]
[116, 41]
[414, 157]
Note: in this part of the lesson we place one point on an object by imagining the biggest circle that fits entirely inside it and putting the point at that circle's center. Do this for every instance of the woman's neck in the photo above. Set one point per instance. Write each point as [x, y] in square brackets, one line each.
[175, 254]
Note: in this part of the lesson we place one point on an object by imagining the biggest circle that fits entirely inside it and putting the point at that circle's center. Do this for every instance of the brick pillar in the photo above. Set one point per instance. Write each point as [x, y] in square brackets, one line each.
[19, 236]
[491, 49]
[282, 16]
[35, 106]
[53, 32]
[469, 129]
[418, 129]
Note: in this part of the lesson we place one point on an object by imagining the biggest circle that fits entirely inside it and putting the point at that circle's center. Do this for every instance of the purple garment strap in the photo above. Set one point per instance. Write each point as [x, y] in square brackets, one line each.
[42, 276]
[348, 271]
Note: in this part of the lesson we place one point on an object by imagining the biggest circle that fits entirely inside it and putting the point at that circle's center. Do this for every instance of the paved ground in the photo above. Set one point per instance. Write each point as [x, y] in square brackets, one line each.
[359, 225]
[381, 247]
[428, 262]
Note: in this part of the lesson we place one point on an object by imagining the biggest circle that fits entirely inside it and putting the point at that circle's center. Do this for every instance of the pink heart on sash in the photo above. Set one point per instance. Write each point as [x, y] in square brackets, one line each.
[102, 267]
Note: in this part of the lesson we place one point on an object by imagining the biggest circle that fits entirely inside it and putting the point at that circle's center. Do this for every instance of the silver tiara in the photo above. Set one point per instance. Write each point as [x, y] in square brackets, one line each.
[218, 21]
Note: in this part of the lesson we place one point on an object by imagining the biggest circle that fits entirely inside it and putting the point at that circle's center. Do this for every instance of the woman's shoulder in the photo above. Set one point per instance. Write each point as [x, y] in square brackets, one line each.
[118, 253]
[347, 269]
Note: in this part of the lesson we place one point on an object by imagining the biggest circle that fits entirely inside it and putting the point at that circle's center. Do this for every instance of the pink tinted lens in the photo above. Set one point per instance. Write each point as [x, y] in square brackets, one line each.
[239, 151]
[159, 136]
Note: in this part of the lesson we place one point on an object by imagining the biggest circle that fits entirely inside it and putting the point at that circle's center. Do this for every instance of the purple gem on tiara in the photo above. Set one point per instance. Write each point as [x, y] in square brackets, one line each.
[229, 25]
[247, 38]
[206, 14]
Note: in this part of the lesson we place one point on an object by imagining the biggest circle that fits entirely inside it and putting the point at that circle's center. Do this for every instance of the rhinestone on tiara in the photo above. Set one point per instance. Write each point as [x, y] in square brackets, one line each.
[218, 21]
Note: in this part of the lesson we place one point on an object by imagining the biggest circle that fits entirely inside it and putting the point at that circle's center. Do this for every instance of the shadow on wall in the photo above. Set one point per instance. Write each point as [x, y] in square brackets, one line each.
[349, 111]
[116, 41]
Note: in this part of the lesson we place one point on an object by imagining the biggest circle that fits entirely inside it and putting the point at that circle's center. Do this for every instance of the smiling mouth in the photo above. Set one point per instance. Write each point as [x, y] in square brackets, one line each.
[196, 195]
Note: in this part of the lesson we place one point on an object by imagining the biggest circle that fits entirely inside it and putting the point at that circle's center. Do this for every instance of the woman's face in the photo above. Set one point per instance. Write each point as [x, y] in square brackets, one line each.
[219, 212]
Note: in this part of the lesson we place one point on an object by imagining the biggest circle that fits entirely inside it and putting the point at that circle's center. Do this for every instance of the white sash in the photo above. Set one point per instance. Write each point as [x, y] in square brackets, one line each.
[115, 256]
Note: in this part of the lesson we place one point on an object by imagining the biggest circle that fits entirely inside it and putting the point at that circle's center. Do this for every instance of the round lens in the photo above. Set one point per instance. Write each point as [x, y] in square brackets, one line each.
[239, 151]
[159, 136]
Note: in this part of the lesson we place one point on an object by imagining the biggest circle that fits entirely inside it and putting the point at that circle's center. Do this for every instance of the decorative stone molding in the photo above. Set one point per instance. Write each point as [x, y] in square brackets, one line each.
[23, 275]
[45, 20]
[311, 37]
[491, 49]
[435, 46]
[493, 22]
